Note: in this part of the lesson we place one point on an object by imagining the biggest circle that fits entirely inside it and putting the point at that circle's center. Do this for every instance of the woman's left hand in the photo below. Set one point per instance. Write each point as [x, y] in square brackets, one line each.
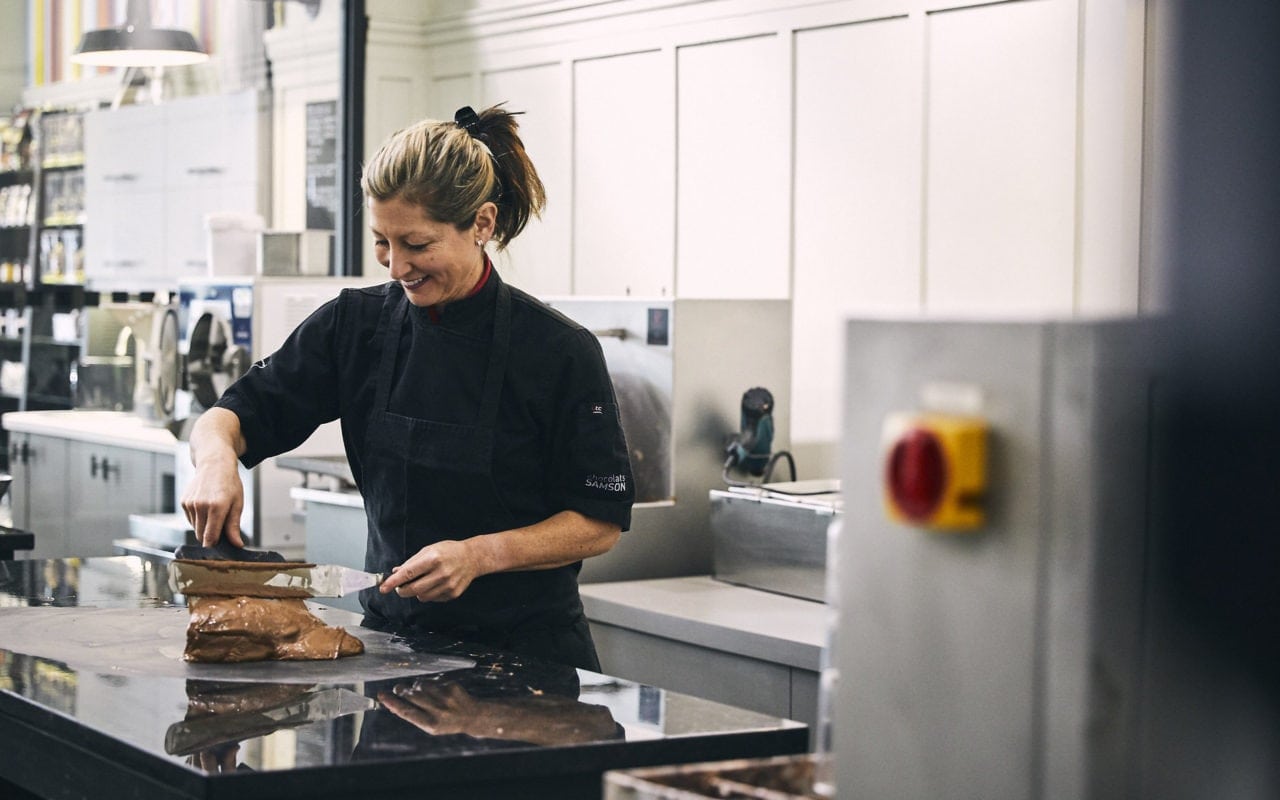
[436, 573]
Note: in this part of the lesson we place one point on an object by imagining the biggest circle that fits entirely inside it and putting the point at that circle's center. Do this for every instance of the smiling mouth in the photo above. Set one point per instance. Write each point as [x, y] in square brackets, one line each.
[414, 284]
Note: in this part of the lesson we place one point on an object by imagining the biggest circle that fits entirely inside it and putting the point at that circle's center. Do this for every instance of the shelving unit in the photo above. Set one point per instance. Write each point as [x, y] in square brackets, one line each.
[41, 260]
[17, 196]
[18, 201]
[39, 348]
[58, 238]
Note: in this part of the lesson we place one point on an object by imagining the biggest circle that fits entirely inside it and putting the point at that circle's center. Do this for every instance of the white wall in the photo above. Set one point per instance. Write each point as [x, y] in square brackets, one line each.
[306, 67]
[868, 157]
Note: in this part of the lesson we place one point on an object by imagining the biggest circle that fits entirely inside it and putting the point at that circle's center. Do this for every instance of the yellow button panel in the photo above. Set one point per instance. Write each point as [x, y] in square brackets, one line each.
[935, 470]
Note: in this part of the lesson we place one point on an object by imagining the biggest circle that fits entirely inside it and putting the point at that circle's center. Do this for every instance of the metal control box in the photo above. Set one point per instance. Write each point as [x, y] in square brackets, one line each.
[1008, 658]
[773, 538]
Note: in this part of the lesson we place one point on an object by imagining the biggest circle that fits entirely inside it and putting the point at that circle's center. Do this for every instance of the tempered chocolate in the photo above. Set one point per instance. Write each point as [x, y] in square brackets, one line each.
[233, 629]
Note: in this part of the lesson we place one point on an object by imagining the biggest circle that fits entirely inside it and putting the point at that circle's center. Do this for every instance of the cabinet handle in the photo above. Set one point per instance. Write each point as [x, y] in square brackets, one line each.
[205, 170]
[121, 262]
[107, 467]
[120, 177]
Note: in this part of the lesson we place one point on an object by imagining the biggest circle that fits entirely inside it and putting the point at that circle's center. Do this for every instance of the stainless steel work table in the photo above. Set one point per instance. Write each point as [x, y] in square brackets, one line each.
[104, 707]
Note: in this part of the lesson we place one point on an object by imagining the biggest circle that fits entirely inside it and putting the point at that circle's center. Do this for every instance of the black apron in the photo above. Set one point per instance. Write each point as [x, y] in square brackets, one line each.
[426, 481]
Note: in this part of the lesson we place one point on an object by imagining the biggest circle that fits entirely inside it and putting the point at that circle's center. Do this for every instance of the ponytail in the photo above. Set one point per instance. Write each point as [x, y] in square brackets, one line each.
[452, 168]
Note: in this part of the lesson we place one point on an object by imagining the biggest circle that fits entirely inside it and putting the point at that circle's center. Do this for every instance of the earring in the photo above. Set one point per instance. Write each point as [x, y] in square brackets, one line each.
[479, 243]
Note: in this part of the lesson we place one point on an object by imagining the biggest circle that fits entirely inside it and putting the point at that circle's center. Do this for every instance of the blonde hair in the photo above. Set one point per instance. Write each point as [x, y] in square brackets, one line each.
[452, 168]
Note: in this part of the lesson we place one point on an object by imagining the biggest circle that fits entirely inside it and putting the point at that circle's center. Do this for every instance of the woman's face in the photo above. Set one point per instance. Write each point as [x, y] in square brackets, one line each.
[434, 262]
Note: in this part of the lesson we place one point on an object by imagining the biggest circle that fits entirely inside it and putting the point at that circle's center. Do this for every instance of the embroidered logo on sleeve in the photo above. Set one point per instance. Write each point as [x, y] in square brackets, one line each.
[597, 408]
[609, 483]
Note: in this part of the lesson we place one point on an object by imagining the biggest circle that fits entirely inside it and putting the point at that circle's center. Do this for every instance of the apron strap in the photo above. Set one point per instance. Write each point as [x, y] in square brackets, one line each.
[497, 358]
[393, 311]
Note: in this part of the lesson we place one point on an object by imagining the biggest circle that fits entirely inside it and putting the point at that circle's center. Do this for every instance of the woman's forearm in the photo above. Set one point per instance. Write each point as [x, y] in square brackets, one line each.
[560, 539]
[216, 434]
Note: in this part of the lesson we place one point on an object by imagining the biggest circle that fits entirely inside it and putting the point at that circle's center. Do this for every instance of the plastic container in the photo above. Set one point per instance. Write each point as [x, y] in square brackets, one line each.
[232, 243]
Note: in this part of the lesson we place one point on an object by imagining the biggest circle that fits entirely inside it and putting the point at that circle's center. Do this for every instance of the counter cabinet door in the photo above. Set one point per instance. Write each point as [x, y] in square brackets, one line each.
[106, 485]
[39, 491]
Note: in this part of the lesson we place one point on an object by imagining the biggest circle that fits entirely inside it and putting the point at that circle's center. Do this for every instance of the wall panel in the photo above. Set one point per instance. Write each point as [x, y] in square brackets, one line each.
[1001, 168]
[538, 261]
[447, 94]
[624, 168]
[732, 173]
[863, 157]
[858, 118]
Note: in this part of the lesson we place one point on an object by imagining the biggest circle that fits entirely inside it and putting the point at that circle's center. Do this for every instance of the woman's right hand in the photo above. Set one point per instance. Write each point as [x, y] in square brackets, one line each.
[214, 498]
[213, 501]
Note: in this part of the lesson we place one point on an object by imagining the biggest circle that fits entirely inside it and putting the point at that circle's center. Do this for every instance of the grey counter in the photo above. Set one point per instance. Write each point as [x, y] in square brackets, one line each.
[713, 639]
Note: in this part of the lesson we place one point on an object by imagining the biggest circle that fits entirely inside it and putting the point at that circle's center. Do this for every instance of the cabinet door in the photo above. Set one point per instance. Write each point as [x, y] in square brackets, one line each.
[124, 196]
[185, 235]
[125, 235]
[39, 466]
[212, 140]
[124, 150]
[733, 189]
[538, 261]
[106, 485]
[213, 169]
[624, 104]
[1001, 138]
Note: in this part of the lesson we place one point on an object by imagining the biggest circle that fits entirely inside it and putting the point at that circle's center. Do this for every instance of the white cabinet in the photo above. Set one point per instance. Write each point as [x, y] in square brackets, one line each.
[857, 198]
[39, 497]
[152, 174]
[538, 261]
[124, 202]
[624, 207]
[78, 475]
[1000, 195]
[125, 149]
[105, 484]
[732, 178]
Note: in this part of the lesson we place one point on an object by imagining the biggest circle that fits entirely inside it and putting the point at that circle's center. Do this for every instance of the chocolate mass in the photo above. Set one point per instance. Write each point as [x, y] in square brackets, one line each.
[231, 629]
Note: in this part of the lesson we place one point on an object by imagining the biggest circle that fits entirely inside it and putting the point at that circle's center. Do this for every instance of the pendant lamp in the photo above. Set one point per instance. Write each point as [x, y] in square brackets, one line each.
[137, 44]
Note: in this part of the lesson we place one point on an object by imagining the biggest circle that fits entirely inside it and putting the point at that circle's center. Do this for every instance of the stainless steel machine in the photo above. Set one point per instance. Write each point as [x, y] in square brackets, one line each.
[224, 325]
[130, 360]
[773, 537]
[679, 368]
[989, 603]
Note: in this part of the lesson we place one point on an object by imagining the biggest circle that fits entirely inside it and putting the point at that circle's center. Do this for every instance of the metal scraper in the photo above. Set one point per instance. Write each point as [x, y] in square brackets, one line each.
[266, 579]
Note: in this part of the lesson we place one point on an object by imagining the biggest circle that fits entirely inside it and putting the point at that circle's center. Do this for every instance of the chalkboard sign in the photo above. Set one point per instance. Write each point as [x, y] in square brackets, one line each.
[322, 165]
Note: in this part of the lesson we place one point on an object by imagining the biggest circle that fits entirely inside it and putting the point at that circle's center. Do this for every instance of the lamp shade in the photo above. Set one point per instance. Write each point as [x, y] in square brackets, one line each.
[135, 46]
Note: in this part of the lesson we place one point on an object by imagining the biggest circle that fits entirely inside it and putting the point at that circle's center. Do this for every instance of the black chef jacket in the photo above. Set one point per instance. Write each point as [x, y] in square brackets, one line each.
[558, 443]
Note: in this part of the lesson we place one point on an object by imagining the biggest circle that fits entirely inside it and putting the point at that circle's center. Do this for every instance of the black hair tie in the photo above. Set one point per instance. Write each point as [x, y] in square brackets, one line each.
[468, 120]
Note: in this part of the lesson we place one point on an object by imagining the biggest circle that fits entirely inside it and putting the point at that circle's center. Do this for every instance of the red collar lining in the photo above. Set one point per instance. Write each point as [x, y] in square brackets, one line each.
[433, 312]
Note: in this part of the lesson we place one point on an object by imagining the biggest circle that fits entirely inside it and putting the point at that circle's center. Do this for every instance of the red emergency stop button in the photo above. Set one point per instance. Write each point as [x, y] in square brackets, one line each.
[917, 475]
[935, 470]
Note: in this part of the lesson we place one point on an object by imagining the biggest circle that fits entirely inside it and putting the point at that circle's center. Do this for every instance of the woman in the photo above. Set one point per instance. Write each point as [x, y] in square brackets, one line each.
[480, 425]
